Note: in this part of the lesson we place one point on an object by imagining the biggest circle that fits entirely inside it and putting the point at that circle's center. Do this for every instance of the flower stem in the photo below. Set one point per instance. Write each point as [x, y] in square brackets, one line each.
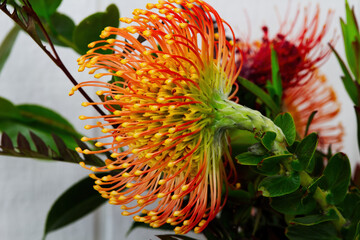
[232, 115]
[320, 197]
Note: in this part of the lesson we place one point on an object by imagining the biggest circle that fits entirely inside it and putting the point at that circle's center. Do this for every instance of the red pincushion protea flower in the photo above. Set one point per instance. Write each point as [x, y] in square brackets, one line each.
[298, 54]
[305, 90]
[165, 141]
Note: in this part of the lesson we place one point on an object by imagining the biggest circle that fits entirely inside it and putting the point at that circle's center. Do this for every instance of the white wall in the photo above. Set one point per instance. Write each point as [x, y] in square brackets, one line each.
[29, 187]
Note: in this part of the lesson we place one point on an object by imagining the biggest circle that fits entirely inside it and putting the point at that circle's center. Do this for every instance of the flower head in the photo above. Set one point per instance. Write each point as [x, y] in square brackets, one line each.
[298, 54]
[169, 68]
[305, 89]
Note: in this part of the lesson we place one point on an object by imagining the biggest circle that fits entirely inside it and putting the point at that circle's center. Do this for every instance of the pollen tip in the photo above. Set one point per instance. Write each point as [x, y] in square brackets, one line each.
[79, 150]
[162, 182]
[161, 195]
[125, 213]
[84, 139]
[82, 117]
[99, 93]
[117, 112]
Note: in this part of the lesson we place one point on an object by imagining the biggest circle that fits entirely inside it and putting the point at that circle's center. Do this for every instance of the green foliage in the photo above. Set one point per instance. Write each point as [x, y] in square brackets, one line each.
[75, 203]
[279, 185]
[89, 29]
[43, 122]
[37, 148]
[268, 140]
[296, 203]
[271, 165]
[249, 158]
[45, 8]
[287, 125]
[322, 231]
[274, 87]
[7, 44]
[336, 178]
[315, 219]
[348, 81]
[261, 94]
[305, 151]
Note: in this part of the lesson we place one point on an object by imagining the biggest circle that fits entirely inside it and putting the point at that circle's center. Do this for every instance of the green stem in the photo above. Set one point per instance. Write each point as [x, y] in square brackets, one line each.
[320, 198]
[232, 115]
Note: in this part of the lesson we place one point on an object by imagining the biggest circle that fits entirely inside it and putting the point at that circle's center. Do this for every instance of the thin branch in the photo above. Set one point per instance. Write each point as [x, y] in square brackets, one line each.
[28, 24]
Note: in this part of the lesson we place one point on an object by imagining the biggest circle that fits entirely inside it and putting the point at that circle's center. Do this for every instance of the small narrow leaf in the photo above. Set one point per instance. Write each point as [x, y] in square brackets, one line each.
[7, 44]
[286, 122]
[347, 80]
[275, 73]
[275, 186]
[311, 117]
[75, 203]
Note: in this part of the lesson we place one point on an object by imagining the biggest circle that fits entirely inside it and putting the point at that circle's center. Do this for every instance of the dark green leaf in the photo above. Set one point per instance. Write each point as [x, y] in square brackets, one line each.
[316, 219]
[271, 165]
[275, 186]
[287, 125]
[61, 30]
[248, 158]
[347, 80]
[261, 94]
[90, 28]
[78, 201]
[305, 151]
[45, 8]
[42, 151]
[39, 120]
[268, 140]
[7, 44]
[336, 178]
[322, 231]
[296, 203]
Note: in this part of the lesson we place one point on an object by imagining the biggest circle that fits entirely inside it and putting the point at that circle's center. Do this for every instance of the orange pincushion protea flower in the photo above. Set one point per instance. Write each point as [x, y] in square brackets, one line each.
[305, 90]
[165, 147]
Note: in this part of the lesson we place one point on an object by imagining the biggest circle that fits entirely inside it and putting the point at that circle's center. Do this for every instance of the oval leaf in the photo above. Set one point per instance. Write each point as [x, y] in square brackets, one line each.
[276, 186]
[336, 178]
[90, 28]
[305, 151]
[287, 125]
[45, 8]
[268, 140]
[296, 203]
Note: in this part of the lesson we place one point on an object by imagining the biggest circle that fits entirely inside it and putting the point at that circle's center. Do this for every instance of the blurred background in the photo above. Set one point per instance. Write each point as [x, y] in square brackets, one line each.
[29, 187]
